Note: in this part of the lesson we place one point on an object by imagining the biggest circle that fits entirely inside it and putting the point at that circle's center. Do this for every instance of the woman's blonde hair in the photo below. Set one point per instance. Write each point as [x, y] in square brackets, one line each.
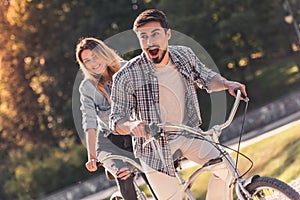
[101, 51]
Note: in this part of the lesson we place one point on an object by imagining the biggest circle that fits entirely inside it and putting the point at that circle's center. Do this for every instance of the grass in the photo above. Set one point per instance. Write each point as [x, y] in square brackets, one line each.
[277, 156]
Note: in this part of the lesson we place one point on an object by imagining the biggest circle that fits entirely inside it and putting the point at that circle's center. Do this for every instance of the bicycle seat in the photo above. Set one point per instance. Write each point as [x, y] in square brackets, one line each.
[109, 176]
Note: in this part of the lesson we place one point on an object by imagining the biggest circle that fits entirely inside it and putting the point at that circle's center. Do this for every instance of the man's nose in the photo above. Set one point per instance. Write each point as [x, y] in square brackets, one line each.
[150, 41]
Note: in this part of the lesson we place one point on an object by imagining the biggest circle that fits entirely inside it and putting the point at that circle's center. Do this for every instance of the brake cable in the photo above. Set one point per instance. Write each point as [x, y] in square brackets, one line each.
[241, 133]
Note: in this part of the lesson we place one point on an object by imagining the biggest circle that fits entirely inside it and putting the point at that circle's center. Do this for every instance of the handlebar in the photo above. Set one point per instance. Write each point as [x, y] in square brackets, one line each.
[215, 131]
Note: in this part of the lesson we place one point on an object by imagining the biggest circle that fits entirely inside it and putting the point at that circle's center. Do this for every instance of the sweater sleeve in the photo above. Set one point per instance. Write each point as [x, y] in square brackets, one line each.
[88, 109]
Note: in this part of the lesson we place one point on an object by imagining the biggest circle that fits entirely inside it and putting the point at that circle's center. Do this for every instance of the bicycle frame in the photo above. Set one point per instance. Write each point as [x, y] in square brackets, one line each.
[234, 176]
[230, 163]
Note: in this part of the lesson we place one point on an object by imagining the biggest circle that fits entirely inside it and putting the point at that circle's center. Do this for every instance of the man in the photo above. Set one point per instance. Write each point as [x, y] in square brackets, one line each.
[158, 86]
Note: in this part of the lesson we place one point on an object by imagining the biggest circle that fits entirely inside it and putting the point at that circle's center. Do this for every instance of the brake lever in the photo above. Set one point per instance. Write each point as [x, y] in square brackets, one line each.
[153, 129]
[244, 98]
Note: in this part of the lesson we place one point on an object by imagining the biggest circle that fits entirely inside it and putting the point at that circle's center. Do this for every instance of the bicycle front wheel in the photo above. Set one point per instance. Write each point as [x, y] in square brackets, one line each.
[271, 189]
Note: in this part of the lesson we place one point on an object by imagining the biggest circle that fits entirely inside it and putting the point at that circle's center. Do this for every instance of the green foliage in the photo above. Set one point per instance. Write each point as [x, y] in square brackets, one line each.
[232, 30]
[39, 169]
[37, 71]
[280, 73]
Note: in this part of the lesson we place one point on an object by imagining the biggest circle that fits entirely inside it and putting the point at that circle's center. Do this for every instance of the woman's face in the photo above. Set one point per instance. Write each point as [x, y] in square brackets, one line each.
[92, 62]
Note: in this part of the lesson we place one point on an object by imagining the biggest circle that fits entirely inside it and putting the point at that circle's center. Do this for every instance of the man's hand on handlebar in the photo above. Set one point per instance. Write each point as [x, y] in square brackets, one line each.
[232, 86]
[137, 128]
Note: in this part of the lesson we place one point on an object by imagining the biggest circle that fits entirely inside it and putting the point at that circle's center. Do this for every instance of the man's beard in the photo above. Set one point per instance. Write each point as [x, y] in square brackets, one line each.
[158, 60]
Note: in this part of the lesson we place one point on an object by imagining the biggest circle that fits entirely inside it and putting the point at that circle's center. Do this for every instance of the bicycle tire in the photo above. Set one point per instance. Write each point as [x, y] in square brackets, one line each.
[116, 196]
[271, 189]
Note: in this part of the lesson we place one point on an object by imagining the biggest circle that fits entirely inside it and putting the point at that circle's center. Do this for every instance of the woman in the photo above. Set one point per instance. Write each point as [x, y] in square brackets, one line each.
[98, 63]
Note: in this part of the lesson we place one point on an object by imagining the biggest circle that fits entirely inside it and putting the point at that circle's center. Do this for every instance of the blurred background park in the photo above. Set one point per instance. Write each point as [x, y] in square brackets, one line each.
[251, 41]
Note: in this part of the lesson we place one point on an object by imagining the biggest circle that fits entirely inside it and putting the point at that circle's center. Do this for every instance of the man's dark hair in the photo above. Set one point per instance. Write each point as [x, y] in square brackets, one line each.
[151, 15]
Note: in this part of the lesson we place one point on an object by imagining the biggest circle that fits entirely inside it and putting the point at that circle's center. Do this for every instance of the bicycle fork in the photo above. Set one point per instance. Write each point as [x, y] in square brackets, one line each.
[236, 179]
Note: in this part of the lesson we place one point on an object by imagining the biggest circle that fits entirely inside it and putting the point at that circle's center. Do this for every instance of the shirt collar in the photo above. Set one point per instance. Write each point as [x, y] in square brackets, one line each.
[180, 62]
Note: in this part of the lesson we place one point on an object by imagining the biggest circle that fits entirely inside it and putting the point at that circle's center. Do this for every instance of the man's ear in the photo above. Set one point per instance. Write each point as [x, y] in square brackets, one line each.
[169, 34]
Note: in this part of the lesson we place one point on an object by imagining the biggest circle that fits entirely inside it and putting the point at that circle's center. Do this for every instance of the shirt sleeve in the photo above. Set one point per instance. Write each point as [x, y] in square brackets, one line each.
[122, 98]
[201, 74]
[88, 110]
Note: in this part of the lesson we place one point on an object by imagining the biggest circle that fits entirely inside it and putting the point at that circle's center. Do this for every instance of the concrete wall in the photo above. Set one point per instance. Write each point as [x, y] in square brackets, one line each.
[258, 118]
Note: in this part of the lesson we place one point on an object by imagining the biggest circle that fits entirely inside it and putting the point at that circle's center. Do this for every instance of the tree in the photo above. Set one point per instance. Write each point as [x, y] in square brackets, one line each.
[37, 71]
[233, 32]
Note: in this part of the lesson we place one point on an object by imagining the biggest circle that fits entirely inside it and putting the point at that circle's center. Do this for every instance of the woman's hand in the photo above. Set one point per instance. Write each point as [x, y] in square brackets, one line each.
[91, 165]
[123, 173]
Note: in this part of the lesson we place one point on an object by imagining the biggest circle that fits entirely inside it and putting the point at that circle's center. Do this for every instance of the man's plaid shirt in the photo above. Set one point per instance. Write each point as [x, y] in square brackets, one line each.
[135, 95]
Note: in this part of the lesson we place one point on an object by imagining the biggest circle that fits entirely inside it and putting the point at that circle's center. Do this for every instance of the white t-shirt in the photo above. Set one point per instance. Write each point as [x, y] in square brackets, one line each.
[171, 93]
